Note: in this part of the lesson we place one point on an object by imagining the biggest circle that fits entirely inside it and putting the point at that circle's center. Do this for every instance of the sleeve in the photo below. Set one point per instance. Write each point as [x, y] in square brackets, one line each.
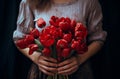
[95, 17]
[24, 21]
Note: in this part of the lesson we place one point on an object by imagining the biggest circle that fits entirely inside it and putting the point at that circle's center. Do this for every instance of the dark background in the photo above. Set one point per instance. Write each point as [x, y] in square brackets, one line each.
[14, 65]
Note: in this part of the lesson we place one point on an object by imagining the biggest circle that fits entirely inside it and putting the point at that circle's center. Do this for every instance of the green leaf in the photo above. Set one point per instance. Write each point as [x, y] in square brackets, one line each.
[39, 44]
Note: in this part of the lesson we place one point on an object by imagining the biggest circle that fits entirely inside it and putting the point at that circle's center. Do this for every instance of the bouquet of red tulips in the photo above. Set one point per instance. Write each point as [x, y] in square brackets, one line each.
[62, 38]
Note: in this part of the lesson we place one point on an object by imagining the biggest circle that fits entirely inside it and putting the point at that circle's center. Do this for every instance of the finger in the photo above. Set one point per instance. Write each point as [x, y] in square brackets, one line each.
[67, 66]
[48, 68]
[46, 63]
[49, 59]
[46, 72]
[68, 71]
[64, 63]
[52, 60]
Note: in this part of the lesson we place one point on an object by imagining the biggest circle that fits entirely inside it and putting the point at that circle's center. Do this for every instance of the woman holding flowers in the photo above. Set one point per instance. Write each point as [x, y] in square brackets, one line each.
[88, 12]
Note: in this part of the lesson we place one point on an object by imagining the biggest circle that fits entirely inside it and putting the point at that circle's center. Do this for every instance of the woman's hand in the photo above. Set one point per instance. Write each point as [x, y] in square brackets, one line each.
[69, 66]
[47, 65]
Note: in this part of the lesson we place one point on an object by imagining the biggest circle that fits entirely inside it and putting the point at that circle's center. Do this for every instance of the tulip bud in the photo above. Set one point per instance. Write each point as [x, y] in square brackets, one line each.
[41, 23]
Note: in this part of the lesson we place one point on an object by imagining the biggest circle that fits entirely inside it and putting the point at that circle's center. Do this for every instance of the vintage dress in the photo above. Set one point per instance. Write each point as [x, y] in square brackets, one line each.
[86, 11]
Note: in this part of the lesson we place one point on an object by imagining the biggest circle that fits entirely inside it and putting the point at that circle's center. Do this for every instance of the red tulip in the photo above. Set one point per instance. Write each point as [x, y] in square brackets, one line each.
[60, 32]
[46, 40]
[62, 43]
[32, 47]
[52, 22]
[53, 31]
[78, 34]
[72, 25]
[54, 18]
[75, 45]
[46, 52]
[29, 39]
[64, 26]
[67, 19]
[67, 37]
[41, 23]
[21, 44]
[82, 48]
[80, 27]
[62, 19]
[35, 33]
[45, 31]
[66, 52]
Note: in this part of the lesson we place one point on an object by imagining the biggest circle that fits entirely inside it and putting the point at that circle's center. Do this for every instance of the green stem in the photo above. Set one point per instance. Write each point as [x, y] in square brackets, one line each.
[60, 77]
[54, 54]
[39, 44]
[64, 77]
[50, 77]
[55, 76]
[67, 76]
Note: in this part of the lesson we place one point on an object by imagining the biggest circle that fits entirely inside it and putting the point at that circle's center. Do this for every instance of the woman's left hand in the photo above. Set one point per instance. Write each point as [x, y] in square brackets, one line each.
[68, 66]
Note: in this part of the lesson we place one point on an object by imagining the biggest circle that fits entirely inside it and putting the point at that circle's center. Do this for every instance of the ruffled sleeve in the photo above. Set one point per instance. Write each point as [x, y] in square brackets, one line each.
[95, 30]
[24, 21]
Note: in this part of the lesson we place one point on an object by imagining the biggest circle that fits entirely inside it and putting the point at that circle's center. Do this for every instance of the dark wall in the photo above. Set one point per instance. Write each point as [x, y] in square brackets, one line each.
[106, 64]
[14, 65]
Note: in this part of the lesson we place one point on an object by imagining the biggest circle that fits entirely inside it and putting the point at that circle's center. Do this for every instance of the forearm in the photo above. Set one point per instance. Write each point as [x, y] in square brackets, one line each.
[93, 48]
[34, 57]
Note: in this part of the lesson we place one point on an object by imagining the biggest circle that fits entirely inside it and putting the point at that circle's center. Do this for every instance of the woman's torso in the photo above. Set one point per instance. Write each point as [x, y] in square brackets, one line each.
[77, 10]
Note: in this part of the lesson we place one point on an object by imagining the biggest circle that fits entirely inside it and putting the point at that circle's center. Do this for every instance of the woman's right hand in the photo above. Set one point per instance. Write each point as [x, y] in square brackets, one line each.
[47, 65]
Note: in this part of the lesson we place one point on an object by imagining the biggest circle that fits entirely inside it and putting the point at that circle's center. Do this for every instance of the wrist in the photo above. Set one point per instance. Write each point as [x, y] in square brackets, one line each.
[82, 58]
[93, 48]
[35, 56]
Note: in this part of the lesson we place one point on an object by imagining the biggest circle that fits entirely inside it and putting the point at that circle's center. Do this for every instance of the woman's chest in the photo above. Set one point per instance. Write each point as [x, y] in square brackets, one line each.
[76, 11]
